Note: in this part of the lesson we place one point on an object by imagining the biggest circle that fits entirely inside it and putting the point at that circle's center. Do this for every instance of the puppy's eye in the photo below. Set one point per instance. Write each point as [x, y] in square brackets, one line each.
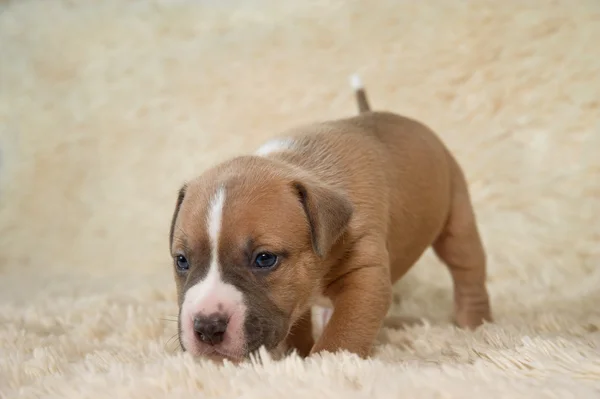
[265, 260]
[182, 263]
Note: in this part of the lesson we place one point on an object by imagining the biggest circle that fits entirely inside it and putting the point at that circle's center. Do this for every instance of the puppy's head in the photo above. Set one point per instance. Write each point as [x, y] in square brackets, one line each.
[248, 241]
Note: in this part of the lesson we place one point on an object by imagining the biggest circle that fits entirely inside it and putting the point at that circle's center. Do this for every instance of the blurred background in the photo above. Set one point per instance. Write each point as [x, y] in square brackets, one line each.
[106, 108]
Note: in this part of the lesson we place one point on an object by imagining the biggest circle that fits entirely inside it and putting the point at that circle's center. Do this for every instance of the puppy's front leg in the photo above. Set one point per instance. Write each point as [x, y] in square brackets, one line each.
[361, 300]
[300, 337]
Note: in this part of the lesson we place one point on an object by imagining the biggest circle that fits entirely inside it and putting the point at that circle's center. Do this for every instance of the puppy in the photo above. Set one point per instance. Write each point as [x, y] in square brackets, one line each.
[336, 211]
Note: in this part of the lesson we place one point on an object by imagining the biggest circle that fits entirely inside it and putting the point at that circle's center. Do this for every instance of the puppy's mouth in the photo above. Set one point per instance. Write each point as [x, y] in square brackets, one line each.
[216, 353]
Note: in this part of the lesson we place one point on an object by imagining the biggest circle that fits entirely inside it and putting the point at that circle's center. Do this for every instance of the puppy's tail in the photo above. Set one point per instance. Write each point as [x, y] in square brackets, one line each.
[360, 93]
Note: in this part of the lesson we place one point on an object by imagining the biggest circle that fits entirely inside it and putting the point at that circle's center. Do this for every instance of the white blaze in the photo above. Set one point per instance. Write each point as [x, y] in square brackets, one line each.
[211, 293]
[197, 294]
[214, 219]
[274, 145]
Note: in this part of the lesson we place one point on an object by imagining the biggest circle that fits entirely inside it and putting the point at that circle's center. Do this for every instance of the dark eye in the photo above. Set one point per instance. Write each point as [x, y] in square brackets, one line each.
[182, 263]
[265, 260]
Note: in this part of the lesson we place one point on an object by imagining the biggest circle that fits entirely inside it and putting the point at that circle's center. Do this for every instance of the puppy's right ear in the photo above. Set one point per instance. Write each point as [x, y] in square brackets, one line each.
[180, 197]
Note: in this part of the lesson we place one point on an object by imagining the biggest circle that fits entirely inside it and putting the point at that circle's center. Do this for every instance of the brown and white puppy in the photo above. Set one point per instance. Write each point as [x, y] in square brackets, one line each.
[338, 210]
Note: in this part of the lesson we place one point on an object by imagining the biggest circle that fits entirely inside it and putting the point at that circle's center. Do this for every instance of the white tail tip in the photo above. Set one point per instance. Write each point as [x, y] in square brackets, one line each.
[356, 82]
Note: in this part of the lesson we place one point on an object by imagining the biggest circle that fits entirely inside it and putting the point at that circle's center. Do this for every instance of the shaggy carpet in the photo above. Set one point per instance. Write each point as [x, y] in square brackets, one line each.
[107, 107]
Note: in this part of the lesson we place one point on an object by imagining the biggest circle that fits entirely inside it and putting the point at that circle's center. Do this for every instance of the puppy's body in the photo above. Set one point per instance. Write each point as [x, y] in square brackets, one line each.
[347, 206]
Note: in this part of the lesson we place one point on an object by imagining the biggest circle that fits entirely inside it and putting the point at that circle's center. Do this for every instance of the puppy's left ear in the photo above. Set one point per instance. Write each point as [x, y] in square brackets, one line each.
[328, 212]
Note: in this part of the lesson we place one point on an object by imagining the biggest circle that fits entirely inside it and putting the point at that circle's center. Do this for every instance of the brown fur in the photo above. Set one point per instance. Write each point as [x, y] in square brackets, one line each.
[352, 207]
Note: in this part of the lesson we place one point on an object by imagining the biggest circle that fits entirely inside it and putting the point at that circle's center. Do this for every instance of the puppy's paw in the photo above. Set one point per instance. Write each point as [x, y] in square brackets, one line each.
[471, 317]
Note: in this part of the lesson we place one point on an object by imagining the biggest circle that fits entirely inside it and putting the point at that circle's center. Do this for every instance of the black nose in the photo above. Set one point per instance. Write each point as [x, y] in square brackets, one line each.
[211, 329]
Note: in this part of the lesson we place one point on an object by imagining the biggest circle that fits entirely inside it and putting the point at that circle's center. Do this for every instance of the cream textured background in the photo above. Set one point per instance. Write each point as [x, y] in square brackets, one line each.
[107, 107]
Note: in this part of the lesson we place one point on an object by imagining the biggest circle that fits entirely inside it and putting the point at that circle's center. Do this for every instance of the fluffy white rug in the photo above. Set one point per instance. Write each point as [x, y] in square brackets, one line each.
[107, 107]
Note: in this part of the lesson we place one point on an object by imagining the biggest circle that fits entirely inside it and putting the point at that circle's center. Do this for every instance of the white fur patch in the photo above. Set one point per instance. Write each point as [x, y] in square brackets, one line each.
[275, 145]
[212, 294]
[356, 82]
[212, 283]
[320, 317]
[215, 215]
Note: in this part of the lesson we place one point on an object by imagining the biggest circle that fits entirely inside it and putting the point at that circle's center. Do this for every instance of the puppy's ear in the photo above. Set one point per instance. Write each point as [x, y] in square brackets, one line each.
[328, 211]
[180, 197]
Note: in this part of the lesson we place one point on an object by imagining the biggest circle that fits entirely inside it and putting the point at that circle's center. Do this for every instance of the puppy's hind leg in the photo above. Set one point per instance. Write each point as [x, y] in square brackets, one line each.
[460, 247]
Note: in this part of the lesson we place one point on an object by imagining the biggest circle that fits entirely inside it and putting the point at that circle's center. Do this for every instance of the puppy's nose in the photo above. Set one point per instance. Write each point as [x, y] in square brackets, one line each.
[211, 329]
